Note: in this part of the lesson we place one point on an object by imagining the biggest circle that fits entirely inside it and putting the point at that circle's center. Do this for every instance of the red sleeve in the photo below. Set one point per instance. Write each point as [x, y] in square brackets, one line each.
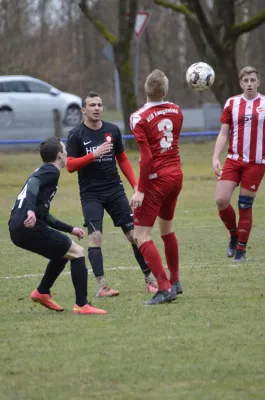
[145, 152]
[226, 114]
[74, 164]
[145, 164]
[126, 167]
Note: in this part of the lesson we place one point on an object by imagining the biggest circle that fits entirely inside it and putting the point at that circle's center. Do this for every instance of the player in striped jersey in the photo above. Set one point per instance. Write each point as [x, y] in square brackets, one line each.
[243, 122]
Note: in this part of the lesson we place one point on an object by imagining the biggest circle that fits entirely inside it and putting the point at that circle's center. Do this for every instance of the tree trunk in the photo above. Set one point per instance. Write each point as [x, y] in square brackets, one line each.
[226, 76]
[128, 100]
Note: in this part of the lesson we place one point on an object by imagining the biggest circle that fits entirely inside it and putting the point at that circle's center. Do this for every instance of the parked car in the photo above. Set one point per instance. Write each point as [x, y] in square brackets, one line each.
[25, 100]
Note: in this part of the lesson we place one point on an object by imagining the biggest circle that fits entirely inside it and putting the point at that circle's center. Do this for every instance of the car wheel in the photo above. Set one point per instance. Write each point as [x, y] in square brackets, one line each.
[6, 117]
[73, 116]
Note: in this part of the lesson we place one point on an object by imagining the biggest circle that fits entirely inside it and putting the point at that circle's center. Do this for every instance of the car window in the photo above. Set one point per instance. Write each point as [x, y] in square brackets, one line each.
[37, 87]
[1, 88]
[15, 86]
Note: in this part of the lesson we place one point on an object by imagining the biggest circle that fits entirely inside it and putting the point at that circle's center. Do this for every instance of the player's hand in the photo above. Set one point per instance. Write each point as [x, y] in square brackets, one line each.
[137, 199]
[31, 220]
[217, 167]
[78, 232]
[104, 148]
[135, 189]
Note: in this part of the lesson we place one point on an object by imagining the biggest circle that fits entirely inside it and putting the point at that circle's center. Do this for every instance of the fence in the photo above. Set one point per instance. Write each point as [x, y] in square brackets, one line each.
[200, 135]
[199, 124]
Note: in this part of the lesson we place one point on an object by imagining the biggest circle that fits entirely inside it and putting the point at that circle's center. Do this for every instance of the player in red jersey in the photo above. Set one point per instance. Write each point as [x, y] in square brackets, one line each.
[243, 120]
[156, 127]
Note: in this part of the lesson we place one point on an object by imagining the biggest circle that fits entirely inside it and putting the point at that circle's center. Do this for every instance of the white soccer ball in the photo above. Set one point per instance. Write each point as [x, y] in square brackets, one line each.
[200, 76]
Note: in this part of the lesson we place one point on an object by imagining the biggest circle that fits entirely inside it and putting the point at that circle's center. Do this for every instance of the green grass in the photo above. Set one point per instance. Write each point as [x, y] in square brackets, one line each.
[209, 345]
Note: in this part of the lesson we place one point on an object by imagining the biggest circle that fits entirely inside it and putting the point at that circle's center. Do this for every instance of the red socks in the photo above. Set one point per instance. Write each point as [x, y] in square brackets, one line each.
[228, 216]
[172, 255]
[244, 227]
[154, 262]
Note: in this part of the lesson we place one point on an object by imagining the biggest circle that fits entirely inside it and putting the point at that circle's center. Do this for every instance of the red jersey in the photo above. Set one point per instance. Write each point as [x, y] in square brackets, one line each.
[156, 127]
[246, 119]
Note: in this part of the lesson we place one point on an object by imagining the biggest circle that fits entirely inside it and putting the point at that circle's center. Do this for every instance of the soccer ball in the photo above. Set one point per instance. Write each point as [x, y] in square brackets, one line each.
[200, 76]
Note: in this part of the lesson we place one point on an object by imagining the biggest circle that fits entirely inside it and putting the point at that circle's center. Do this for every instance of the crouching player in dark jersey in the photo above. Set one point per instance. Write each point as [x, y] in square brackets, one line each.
[92, 148]
[33, 228]
[156, 127]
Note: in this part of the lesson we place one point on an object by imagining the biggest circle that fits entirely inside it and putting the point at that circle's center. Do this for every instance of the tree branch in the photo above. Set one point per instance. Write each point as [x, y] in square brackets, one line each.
[109, 36]
[207, 29]
[182, 9]
[247, 26]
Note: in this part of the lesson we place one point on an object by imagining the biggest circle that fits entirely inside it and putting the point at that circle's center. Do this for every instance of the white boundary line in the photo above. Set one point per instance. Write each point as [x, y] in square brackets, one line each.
[64, 273]
[130, 268]
[228, 264]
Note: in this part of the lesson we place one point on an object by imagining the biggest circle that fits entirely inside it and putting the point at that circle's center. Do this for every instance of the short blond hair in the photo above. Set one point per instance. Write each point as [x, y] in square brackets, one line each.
[156, 85]
[248, 70]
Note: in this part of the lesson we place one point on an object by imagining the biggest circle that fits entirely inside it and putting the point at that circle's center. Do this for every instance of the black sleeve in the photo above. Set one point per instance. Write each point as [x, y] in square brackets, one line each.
[72, 146]
[57, 224]
[33, 187]
[119, 148]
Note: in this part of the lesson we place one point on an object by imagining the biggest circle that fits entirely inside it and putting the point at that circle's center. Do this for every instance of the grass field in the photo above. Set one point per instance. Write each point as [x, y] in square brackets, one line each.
[208, 345]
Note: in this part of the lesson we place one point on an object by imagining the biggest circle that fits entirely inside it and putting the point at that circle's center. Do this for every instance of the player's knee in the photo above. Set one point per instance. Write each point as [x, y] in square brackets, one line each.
[140, 238]
[245, 202]
[135, 240]
[95, 239]
[222, 202]
[75, 251]
[80, 252]
[130, 236]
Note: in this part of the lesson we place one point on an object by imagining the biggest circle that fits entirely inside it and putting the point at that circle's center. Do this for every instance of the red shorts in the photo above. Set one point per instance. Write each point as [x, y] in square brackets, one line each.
[248, 175]
[160, 199]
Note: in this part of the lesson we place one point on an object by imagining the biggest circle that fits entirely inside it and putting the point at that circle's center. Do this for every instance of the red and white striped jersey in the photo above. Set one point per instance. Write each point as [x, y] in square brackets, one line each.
[247, 128]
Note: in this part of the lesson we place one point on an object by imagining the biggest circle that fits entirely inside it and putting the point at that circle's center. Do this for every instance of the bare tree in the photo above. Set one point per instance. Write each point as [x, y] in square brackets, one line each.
[121, 44]
[216, 37]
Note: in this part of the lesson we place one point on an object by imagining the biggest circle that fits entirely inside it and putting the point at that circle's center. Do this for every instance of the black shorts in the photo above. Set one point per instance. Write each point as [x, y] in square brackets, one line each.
[41, 240]
[117, 206]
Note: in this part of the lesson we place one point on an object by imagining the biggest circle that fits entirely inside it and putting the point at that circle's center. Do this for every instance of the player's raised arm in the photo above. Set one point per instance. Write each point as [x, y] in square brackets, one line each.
[74, 162]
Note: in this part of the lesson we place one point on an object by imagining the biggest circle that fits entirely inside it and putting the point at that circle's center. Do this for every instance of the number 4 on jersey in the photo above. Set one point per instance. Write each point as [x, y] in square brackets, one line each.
[22, 195]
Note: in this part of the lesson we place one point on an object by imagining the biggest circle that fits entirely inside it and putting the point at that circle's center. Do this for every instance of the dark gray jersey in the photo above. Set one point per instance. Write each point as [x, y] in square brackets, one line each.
[37, 193]
[102, 174]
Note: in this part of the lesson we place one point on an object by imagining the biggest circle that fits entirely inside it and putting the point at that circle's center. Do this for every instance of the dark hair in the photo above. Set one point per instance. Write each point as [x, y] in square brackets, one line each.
[89, 95]
[50, 148]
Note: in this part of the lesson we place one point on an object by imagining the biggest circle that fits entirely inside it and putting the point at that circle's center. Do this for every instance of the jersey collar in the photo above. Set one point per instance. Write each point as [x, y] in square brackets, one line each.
[255, 98]
[155, 103]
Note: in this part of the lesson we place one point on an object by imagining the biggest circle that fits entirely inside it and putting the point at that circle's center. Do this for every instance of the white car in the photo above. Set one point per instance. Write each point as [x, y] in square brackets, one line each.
[25, 101]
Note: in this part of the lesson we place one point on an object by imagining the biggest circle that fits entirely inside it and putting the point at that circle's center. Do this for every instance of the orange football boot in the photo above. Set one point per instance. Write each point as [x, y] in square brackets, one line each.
[45, 300]
[87, 309]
